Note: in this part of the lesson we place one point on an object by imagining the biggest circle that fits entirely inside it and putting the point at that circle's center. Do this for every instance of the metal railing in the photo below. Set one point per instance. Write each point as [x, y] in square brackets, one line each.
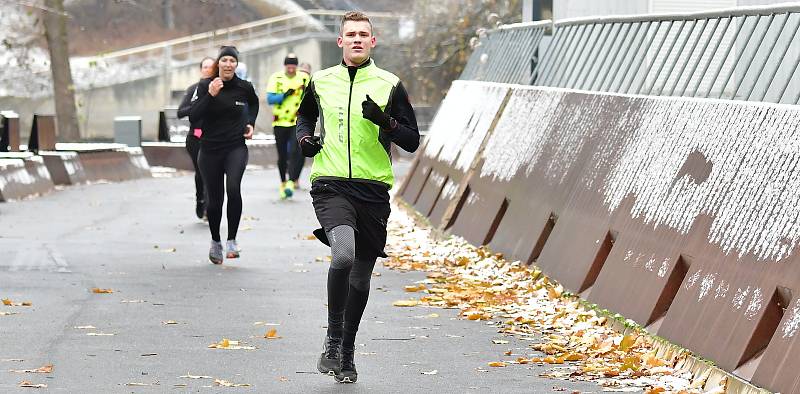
[152, 59]
[507, 54]
[743, 53]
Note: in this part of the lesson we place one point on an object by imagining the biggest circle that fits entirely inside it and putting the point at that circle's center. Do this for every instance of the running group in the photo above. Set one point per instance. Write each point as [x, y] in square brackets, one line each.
[362, 110]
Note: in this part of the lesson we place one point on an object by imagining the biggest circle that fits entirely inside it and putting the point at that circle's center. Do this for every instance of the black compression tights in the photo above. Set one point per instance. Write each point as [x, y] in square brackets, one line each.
[290, 159]
[348, 284]
[216, 166]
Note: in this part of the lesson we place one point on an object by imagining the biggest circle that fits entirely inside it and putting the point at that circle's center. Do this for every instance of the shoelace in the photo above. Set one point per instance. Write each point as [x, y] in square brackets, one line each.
[347, 360]
[332, 350]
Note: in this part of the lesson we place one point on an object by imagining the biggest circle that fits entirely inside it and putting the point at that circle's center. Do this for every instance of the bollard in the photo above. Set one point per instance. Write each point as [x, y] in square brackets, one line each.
[9, 136]
[128, 130]
[43, 133]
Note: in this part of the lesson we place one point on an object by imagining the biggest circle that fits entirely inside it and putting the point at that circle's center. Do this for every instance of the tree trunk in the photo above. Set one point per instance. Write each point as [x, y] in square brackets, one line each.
[55, 26]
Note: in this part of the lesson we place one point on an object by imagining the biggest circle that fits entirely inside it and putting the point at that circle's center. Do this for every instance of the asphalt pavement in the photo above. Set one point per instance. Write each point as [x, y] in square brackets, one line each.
[141, 239]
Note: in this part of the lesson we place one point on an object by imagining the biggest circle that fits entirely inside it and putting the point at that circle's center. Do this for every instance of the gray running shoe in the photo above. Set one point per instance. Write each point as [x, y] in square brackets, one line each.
[232, 249]
[215, 253]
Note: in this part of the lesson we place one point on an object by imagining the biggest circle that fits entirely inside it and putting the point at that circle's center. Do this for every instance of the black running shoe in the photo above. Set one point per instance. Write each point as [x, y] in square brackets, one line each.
[331, 356]
[347, 373]
[200, 209]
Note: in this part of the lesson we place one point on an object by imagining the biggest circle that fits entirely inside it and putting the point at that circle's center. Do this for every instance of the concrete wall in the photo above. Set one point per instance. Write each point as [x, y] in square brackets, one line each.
[145, 97]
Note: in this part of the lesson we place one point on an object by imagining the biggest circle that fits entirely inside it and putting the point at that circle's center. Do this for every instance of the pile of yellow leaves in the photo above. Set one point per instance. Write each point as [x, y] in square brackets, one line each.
[524, 302]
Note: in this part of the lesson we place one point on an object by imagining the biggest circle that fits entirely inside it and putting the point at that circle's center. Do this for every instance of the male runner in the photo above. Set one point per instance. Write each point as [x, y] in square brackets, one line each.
[363, 110]
[284, 90]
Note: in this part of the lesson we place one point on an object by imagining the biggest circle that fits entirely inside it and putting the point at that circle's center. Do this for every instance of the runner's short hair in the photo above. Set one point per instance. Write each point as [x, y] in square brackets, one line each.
[355, 16]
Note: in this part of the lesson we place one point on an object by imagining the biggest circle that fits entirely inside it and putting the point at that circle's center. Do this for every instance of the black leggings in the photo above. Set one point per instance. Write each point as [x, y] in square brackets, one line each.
[290, 158]
[348, 284]
[193, 147]
[215, 166]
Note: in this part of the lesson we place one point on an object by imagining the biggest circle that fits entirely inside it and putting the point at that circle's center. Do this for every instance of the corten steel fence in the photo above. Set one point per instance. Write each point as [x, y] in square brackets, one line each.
[747, 53]
[507, 54]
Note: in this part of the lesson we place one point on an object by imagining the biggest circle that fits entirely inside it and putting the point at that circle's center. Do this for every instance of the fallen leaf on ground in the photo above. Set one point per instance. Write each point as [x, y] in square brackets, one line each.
[98, 290]
[28, 384]
[43, 369]
[406, 303]
[8, 302]
[7, 313]
[225, 383]
[499, 341]
[434, 372]
[261, 323]
[170, 250]
[497, 364]
[227, 344]
[170, 322]
[415, 288]
[190, 376]
[272, 334]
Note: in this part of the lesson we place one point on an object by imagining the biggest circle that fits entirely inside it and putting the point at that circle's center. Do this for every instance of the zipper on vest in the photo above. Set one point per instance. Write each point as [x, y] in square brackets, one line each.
[349, 99]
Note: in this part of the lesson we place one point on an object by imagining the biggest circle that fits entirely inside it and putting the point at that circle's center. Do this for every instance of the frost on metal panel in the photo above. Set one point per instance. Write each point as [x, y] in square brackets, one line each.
[752, 190]
[461, 123]
[520, 135]
[792, 323]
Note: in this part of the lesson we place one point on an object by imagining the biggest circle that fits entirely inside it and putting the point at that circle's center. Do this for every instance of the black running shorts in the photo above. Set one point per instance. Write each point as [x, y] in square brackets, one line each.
[367, 219]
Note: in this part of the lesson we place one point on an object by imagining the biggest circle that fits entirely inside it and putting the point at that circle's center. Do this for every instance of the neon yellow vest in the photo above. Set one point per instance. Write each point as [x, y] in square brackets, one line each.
[351, 149]
[285, 113]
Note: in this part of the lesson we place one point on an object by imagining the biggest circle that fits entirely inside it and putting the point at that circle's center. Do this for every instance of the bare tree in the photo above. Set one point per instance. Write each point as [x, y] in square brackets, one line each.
[441, 46]
[55, 26]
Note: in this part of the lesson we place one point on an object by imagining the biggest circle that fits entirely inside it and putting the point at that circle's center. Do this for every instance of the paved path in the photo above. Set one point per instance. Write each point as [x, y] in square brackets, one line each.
[121, 236]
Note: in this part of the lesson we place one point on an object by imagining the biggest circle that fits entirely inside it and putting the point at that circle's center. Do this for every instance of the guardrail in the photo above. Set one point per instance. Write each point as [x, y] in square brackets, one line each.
[507, 54]
[746, 53]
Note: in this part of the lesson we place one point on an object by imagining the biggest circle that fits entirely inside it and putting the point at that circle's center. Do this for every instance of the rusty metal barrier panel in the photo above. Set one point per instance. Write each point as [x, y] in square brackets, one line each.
[23, 175]
[65, 167]
[168, 154]
[682, 214]
[109, 162]
[139, 167]
[9, 135]
[263, 153]
[43, 133]
[457, 133]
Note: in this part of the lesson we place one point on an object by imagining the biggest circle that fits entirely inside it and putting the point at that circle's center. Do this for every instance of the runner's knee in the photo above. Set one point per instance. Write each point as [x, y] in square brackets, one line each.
[343, 247]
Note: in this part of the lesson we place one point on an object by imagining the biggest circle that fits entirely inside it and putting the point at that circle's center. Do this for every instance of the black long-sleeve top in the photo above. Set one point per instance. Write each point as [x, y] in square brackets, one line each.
[186, 106]
[405, 135]
[224, 117]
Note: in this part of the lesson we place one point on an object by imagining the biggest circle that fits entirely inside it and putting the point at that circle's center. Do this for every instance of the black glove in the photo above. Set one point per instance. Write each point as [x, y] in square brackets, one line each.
[288, 93]
[370, 110]
[310, 145]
